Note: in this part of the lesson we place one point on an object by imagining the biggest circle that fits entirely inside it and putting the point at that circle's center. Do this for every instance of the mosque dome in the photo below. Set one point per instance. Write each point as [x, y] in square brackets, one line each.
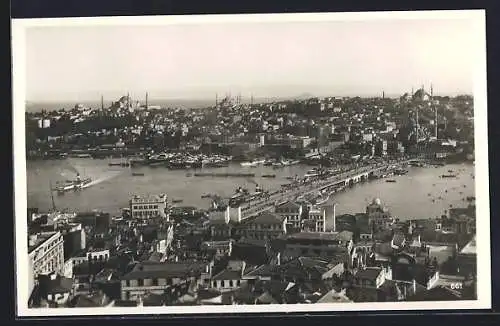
[376, 201]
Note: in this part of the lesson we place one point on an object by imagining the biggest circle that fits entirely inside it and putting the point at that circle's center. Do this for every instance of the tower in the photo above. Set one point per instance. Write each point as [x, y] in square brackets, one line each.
[435, 114]
[102, 102]
[216, 99]
[383, 94]
[146, 100]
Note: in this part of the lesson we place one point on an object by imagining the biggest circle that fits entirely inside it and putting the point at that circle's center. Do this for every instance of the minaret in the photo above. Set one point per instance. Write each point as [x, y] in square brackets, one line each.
[102, 103]
[146, 100]
[417, 124]
[435, 114]
[216, 99]
[383, 94]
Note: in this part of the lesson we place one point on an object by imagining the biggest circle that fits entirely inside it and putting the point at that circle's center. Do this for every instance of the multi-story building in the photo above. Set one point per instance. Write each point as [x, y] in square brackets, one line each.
[163, 278]
[149, 207]
[262, 227]
[316, 220]
[317, 244]
[46, 252]
[292, 212]
[378, 215]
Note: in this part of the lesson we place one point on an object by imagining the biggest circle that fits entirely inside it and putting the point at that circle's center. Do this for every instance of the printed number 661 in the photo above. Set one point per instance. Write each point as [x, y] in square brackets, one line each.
[456, 286]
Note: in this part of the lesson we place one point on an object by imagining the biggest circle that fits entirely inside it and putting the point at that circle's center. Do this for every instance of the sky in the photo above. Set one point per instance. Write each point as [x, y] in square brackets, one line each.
[334, 58]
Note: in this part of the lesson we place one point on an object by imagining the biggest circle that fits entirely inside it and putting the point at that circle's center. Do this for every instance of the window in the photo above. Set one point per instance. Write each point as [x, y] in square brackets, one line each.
[231, 283]
[155, 281]
[169, 281]
[238, 282]
[215, 284]
[127, 283]
[140, 282]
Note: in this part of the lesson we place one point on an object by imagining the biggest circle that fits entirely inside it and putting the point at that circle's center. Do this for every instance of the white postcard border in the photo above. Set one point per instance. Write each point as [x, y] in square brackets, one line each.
[481, 150]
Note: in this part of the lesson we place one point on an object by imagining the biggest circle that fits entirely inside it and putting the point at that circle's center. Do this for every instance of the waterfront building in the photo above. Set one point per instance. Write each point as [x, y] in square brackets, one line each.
[263, 226]
[292, 211]
[378, 215]
[46, 252]
[149, 207]
[316, 220]
[162, 278]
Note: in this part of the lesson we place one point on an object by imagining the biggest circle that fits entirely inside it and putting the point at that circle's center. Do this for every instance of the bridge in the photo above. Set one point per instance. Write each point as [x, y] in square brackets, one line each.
[328, 184]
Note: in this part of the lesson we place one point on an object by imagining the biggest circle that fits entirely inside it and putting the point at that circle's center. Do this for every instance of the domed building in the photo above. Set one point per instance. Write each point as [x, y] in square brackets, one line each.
[421, 95]
[378, 215]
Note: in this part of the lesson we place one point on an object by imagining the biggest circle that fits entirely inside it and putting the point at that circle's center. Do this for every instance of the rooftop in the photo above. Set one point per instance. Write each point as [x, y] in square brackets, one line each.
[369, 273]
[40, 239]
[265, 218]
[325, 236]
[166, 270]
[228, 275]
[470, 248]
[332, 296]
[288, 205]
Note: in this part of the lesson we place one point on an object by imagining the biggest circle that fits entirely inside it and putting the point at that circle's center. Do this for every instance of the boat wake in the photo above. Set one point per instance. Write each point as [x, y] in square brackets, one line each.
[101, 179]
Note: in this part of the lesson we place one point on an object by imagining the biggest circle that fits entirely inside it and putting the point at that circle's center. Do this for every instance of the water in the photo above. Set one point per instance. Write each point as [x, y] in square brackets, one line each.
[411, 196]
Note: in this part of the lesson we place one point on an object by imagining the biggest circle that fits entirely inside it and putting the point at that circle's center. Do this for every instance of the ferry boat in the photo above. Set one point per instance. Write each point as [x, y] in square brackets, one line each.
[312, 173]
[76, 184]
[253, 163]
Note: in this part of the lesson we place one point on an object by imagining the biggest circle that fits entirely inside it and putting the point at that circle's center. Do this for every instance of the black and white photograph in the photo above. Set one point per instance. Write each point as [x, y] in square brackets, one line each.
[267, 162]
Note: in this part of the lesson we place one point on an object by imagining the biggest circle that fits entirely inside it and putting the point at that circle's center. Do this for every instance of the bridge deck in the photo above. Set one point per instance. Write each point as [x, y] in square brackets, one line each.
[264, 204]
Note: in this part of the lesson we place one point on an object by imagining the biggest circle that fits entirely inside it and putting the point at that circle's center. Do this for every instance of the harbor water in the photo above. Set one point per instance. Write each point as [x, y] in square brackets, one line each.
[422, 193]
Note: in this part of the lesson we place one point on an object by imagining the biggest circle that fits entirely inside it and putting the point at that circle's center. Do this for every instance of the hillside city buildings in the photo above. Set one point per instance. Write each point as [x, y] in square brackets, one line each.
[297, 250]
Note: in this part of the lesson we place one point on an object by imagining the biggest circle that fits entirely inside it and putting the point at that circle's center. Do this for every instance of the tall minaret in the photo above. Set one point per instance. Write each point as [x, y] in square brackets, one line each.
[216, 99]
[417, 128]
[383, 94]
[102, 103]
[146, 100]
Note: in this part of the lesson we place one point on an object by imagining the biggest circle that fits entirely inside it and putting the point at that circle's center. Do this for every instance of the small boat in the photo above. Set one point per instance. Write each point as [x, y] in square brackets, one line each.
[448, 176]
[390, 180]
[175, 201]
[206, 196]
[137, 174]
[189, 174]
[269, 175]
[471, 198]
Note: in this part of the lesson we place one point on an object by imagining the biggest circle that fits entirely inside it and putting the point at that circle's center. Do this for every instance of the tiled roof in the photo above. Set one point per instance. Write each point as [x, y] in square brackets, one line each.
[166, 270]
[370, 273]
[332, 297]
[227, 275]
[288, 205]
[266, 218]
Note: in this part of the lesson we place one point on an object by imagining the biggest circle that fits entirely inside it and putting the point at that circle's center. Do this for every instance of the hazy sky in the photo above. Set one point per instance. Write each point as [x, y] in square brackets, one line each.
[266, 59]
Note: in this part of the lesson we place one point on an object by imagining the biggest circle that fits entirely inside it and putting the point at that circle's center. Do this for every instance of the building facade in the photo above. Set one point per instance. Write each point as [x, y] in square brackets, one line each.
[46, 253]
[149, 207]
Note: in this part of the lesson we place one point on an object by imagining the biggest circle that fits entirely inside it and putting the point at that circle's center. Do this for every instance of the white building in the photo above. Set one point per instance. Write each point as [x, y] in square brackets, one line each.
[149, 207]
[46, 253]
